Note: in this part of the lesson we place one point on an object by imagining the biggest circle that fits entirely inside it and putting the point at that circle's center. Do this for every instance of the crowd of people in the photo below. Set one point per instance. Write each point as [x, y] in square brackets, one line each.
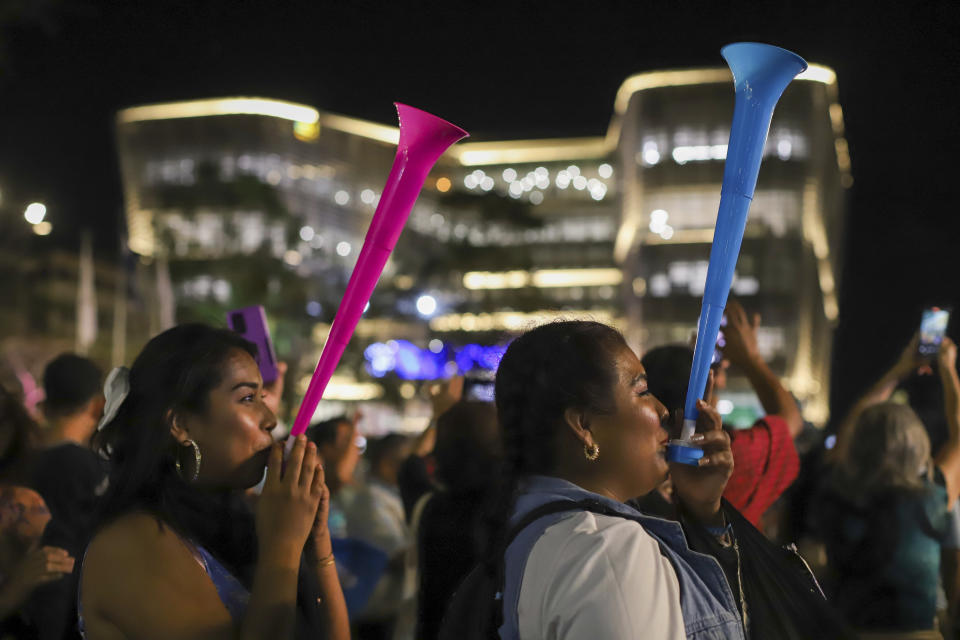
[157, 503]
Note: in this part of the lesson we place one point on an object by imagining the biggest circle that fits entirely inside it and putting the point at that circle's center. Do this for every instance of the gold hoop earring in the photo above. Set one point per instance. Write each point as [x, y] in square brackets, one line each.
[196, 461]
[591, 451]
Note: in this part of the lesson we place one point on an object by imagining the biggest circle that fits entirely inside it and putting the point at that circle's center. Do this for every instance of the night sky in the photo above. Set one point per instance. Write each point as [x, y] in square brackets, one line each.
[520, 69]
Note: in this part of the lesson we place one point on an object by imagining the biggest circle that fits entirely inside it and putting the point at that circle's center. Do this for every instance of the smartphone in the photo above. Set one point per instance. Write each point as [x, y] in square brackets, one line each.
[478, 387]
[933, 326]
[251, 323]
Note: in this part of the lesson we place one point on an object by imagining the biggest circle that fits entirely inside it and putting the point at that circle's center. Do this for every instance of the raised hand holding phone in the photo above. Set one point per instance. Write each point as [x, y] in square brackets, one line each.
[933, 327]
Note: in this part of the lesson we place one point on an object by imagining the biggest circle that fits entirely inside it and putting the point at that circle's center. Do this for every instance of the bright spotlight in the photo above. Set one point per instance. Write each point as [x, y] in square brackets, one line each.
[426, 305]
[35, 212]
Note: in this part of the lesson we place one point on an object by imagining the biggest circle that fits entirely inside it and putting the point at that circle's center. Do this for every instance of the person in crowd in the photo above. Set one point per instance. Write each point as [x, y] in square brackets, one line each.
[580, 422]
[451, 525]
[581, 428]
[176, 554]
[27, 566]
[336, 440]
[948, 598]
[66, 471]
[337, 445]
[375, 516]
[416, 476]
[765, 458]
[883, 512]
[18, 438]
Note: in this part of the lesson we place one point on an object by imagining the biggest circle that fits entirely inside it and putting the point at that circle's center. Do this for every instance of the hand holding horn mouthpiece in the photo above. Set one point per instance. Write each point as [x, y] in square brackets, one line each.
[423, 139]
[761, 72]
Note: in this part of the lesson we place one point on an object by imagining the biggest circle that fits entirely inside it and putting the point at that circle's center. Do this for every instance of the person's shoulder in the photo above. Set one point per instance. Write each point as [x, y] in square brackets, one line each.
[137, 539]
[587, 553]
[585, 533]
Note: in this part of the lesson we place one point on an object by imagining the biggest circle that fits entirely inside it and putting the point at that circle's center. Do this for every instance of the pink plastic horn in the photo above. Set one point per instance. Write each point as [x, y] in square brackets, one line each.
[423, 139]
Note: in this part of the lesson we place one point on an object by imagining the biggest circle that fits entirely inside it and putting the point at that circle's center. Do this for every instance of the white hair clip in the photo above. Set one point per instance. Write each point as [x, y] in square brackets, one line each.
[115, 390]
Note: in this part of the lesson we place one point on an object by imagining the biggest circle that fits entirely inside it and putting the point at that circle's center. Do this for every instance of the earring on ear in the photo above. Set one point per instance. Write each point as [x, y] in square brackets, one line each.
[196, 461]
[591, 451]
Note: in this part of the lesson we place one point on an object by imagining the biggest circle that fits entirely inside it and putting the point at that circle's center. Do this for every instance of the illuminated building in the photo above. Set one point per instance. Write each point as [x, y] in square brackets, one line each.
[509, 233]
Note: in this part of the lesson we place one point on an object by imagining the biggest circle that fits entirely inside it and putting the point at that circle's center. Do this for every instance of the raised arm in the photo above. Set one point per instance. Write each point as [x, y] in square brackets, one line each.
[880, 391]
[741, 350]
[443, 395]
[948, 457]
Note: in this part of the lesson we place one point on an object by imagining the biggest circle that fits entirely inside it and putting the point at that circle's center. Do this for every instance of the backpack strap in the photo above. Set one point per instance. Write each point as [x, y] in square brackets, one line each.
[558, 506]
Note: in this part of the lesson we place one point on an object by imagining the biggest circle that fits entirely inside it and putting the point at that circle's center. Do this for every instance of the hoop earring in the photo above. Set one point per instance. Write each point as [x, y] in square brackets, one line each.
[196, 461]
[591, 451]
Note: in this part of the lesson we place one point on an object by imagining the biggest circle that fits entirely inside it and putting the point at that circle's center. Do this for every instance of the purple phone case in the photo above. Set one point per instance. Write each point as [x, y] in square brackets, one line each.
[255, 329]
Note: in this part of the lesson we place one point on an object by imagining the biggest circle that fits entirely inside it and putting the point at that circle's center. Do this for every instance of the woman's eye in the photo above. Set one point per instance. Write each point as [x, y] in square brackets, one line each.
[248, 398]
[641, 394]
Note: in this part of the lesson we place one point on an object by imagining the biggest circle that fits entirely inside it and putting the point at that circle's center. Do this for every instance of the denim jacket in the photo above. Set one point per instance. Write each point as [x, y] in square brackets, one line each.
[708, 607]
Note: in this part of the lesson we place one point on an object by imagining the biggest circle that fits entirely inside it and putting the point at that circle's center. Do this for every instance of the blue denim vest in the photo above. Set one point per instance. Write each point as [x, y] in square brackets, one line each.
[708, 607]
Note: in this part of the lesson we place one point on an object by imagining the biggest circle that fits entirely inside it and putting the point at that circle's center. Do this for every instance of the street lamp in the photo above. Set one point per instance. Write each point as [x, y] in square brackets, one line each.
[35, 213]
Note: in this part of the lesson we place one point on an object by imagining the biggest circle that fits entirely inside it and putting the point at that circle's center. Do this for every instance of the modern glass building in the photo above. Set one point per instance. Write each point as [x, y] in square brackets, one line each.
[505, 233]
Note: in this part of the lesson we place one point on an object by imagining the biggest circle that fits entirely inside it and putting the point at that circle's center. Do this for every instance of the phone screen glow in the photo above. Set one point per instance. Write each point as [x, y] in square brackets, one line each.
[933, 326]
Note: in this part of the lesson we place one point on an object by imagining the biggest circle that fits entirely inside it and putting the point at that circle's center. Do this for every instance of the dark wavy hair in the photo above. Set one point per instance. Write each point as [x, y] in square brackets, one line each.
[176, 371]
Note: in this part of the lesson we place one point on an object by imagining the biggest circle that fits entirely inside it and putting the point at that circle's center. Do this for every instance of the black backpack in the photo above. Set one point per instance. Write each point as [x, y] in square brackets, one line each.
[476, 610]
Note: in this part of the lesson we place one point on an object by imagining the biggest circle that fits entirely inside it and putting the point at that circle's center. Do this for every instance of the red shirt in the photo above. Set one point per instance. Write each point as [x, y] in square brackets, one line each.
[765, 463]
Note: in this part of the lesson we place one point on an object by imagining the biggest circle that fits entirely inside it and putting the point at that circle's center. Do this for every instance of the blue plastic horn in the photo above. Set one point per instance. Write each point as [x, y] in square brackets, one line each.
[760, 74]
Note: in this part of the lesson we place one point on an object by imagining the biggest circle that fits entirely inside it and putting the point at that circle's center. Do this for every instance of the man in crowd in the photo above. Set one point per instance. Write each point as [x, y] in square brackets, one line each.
[765, 458]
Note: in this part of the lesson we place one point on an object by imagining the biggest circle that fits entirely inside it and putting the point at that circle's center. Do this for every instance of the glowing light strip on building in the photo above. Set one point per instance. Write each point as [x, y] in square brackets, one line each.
[363, 128]
[542, 278]
[529, 151]
[681, 236]
[518, 321]
[814, 232]
[220, 107]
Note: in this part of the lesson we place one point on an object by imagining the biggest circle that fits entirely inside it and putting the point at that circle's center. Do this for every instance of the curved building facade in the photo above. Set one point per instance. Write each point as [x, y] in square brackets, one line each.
[506, 233]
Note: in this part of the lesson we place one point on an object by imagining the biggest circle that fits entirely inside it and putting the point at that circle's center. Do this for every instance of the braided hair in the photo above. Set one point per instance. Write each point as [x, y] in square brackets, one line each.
[544, 372]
